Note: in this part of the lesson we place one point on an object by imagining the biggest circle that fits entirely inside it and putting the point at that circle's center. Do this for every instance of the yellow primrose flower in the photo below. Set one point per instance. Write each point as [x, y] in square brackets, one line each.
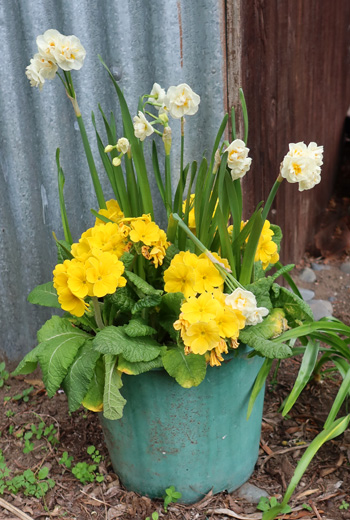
[181, 324]
[215, 356]
[113, 212]
[229, 322]
[81, 250]
[267, 249]
[104, 272]
[206, 276]
[179, 278]
[204, 308]
[71, 303]
[191, 217]
[60, 277]
[146, 232]
[185, 258]
[77, 281]
[202, 336]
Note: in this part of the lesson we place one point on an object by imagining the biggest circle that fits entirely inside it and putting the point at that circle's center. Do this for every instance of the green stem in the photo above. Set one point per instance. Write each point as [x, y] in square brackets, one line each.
[271, 197]
[230, 280]
[61, 180]
[168, 194]
[97, 311]
[96, 182]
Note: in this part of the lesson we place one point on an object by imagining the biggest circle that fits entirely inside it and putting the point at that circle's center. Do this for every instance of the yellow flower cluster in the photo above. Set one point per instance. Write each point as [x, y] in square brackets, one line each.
[192, 274]
[205, 322]
[267, 248]
[95, 269]
[153, 240]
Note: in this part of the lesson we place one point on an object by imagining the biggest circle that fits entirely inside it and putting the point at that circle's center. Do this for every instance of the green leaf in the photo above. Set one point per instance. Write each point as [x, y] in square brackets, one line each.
[294, 307]
[114, 340]
[93, 400]
[113, 401]
[127, 259]
[147, 302]
[305, 372]
[342, 394]
[59, 345]
[138, 368]
[277, 234]
[124, 299]
[141, 284]
[43, 472]
[258, 384]
[28, 363]
[258, 337]
[170, 311]
[63, 249]
[44, 295]
[138, 327]
[335, 429]
[188, 370]
[79, 376]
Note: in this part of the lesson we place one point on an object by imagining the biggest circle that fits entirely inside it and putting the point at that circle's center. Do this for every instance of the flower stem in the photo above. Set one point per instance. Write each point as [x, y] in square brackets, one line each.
[271, 197]
[97, 311]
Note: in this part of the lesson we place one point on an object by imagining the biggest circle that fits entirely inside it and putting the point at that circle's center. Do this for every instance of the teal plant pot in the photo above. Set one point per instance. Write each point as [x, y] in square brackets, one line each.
[195, 439]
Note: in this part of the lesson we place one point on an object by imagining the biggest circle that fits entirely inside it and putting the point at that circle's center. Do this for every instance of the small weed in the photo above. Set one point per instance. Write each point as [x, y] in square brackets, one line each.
[23, 395]
[4, 375]
[86, 472]
[265, 504]
[66, 460]
[306, 506]
[344, 505]
[29, 483]
[171, 496]
[94, 454]
[154, 516]
[9, 413]
[11, 428]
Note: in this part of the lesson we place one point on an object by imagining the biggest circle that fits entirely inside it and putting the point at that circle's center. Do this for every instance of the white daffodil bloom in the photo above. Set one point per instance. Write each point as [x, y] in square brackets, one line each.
[157, 93]
[181, 101]
[70, 54]
[48, 42]
[142, 127]
[39, 70]
[66, 51]
[317, 152]
[245, 302]
[238, 160]
[123, 145]
[302, 164]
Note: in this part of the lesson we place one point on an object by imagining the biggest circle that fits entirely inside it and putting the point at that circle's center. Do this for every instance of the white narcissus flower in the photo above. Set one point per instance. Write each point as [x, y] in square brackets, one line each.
[39, 70]
[142, 127]
[48, 42]
[181, 101]
[238, 160]
[70, 53]
[123, 145]
[157, 93]
[302, 164]
[245, 302]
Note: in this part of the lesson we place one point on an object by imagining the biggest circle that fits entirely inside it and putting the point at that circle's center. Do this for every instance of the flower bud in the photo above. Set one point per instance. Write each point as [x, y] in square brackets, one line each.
[163, 117]
[217, 161]
[167, 139]
[116, 161]
[123, 145]
[109, 148]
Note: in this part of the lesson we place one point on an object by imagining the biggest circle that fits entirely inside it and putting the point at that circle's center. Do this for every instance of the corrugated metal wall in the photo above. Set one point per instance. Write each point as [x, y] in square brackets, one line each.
[145, 41]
